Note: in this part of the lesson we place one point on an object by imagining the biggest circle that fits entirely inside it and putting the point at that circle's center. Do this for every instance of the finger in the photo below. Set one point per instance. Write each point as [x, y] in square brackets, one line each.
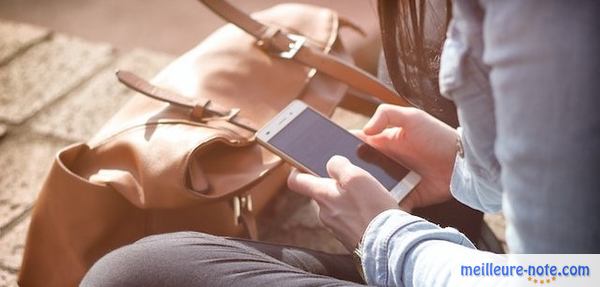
[388, 115]
[348, 175]
[359, 134]
[336, 166]
[343, 171]
[390, 138]
[309, 185]
[388, 141]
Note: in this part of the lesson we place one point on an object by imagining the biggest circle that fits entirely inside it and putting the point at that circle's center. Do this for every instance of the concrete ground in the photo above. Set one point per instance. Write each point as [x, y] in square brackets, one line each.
[172, 27]
[56, 89]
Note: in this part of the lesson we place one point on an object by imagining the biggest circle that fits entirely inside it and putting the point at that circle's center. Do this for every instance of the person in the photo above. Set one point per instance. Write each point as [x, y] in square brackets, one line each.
[522, 75]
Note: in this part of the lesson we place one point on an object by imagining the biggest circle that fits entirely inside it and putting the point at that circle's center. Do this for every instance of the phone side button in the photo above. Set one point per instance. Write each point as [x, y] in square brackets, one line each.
[405, 185]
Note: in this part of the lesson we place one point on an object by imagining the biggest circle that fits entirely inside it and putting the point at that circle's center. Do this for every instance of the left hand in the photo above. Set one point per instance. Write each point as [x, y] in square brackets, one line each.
[348, 201]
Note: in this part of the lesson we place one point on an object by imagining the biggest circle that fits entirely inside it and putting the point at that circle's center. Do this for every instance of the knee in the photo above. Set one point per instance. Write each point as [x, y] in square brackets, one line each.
[144, 263]
[171, 238]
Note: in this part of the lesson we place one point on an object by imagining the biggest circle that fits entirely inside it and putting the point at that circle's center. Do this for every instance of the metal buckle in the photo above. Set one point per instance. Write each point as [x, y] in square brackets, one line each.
[240, 202]
[296, 42]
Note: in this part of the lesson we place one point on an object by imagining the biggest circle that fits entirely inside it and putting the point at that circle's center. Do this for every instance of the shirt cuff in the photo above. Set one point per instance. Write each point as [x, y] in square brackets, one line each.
[389, 239]
[471, 188]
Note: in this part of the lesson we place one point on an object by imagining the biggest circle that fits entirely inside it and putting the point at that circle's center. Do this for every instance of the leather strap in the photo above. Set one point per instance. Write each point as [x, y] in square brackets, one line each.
[290, 46]
[202, 109]
[249, 221]
[242, 212]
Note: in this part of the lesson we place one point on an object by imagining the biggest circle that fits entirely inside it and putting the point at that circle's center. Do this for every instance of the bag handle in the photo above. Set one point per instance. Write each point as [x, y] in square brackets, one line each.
[291, 46]
[201, 108]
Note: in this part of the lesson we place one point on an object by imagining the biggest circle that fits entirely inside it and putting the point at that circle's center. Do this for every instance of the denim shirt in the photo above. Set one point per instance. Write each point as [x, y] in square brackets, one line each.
[523, 76]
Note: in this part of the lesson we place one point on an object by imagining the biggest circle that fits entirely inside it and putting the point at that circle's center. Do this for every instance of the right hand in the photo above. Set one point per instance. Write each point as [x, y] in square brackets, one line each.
[420, 142]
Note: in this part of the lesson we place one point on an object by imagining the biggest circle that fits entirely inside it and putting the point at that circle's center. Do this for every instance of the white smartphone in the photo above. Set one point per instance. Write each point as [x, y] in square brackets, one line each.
[307, 139]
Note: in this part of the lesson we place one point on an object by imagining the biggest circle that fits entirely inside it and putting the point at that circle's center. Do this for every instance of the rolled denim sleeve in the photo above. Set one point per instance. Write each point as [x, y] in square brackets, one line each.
[400, 249]
[475, 190]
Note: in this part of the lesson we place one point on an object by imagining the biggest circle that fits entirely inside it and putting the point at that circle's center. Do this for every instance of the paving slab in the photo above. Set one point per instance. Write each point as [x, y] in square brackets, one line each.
[12, 245]
[80, 114]
[16, 37]
[45, 72]
[24, 162]
[8, 279]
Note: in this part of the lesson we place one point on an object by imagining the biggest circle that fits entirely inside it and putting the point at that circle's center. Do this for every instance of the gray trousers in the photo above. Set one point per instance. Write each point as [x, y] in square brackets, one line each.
[197, 259]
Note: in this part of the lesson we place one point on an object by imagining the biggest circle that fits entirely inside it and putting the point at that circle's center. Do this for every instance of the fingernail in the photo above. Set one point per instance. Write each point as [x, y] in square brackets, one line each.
[338, 157]
[292, 177]
[367, 128]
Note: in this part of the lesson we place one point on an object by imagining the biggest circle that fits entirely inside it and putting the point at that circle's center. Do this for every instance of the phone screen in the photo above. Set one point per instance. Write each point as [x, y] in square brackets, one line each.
[312, 140]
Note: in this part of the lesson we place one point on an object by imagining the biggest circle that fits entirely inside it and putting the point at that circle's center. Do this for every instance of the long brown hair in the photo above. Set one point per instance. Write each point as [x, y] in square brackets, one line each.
[412, 36]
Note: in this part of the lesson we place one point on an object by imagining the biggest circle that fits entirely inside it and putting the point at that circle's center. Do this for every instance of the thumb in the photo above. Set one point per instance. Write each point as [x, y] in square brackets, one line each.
[308, 185]
[343, 171]
[387, 115]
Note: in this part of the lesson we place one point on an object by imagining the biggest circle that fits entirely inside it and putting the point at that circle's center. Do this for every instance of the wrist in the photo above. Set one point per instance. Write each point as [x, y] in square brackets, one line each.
[357, 259]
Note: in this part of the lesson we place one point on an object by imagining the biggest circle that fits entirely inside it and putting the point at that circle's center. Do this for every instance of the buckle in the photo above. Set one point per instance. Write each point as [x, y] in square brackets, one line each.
[296, 42]
[239, 203]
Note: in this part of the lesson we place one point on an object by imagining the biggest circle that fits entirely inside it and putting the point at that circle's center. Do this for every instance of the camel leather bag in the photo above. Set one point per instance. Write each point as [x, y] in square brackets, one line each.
[182, 154]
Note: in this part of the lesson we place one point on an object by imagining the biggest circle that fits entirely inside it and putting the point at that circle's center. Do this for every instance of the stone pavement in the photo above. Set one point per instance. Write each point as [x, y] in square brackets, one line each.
[56, 90]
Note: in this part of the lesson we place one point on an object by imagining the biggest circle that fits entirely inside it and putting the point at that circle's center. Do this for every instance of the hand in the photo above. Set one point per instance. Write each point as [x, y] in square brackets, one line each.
[420, 142]
[348, 201]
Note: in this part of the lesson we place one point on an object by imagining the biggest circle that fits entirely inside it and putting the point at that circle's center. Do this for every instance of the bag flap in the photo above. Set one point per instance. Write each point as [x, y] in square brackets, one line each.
[150, 167]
